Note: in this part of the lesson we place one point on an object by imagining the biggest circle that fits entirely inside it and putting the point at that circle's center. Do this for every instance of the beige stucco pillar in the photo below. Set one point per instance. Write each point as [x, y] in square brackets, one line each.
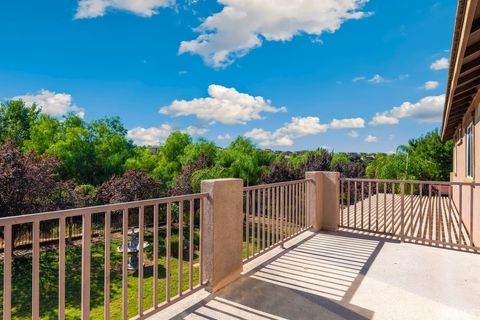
[222, 231]
[324, 195]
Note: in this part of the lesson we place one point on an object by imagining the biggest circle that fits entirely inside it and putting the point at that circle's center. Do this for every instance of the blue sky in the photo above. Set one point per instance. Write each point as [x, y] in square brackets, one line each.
[278, 72]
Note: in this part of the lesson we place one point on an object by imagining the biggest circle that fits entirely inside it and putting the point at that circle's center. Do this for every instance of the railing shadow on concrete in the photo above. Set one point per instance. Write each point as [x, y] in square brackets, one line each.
[315, 278]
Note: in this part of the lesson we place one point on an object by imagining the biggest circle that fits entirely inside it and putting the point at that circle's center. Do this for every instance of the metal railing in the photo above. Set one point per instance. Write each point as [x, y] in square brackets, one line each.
[183, 220]
[274, 213]
[440, 213]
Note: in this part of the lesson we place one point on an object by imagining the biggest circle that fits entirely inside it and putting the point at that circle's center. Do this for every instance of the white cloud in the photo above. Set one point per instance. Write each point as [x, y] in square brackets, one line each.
[347, 123]
[98, 8]
[225, 105]
[243, 25]
[52, 103]
[284, 136]
[427, 109]
[440, 64]
[370, 138]
[383, 118]
[359, 78]
[430, 85]
[353, 134]
[226, 136]
[378, 79]
[149, 136]
[195, 131]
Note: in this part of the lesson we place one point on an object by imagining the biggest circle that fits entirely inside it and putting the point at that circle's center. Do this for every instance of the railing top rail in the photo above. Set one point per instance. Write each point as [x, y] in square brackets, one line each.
[51, 215]
[448, 183]
[278, 184]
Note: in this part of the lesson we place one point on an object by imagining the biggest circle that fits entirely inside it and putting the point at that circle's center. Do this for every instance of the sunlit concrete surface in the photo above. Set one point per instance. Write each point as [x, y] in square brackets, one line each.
[345, 276]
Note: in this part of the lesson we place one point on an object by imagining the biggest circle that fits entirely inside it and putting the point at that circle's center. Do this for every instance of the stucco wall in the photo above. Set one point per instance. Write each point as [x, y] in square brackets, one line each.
[459, 170]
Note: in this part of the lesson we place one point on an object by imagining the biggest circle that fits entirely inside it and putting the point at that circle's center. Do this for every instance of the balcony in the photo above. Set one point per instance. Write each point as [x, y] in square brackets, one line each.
[344, 275]
[321, 247]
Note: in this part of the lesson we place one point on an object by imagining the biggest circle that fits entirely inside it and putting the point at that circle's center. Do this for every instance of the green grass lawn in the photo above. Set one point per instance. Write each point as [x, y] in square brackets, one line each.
[22, 266]
[21, 281]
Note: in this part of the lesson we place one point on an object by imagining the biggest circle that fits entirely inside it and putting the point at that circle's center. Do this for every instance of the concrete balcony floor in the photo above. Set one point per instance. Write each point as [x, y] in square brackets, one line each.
[345, 276]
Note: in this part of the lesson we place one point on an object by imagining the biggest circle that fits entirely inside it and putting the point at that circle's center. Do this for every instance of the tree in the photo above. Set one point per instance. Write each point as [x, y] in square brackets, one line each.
[425, 158]
[110, 147]
[241, 159]
[280, 171]
[343, 163]
[182, 183]
[44, 132]
[26, 181]
[317, 161]
[201, 148]
[133, 185]
[170, 154]
[75, 151]
[16, 120]
[143, 158]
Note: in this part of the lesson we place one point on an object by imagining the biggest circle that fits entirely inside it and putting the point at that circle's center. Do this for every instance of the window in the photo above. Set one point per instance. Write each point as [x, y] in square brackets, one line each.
[469, 150]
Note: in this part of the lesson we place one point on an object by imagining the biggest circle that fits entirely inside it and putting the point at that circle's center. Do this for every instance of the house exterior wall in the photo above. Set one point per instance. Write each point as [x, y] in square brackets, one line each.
[459, 173]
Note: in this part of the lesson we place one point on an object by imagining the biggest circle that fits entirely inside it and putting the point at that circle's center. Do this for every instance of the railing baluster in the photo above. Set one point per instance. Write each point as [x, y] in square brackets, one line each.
[348, 204]
[420, 214]
[269, 215]
[7, 272]
[412, 215]
[168, 251]
[355, 207]
[125, 264]
[180, 249]
[274, 216]
[384, 207]
[141, 225]
[376, 206]
[361, 205]
[304, 207]
[61, 268]
[402, 211]
[471, 215]
[86, 245]
[450, 235]
[106, 277]
[155, 256]
[301, 206]
[393, 208]
[282, 214]
[190, 243]
[289, 209]
[429, 224]
[253, 222]
[340, 218]
[263, 219]
[259, 218]
[460, 218]
[294, 208]
[247, 224]
[297, 197]
[369, 205]
[290, 204]
[36, 271]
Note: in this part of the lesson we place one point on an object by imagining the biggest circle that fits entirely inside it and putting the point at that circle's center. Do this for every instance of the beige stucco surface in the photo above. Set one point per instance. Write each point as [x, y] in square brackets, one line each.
[459, 171]
[222, 231]
[345, 276]
[324, 208]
